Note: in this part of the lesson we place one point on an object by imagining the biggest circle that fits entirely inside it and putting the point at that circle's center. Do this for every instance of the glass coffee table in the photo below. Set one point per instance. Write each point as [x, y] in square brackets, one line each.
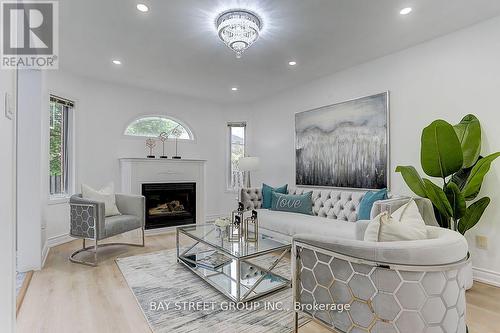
[242, 271]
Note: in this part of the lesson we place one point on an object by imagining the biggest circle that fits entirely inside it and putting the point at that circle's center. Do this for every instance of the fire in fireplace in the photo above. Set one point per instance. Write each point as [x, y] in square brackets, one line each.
[169, 204]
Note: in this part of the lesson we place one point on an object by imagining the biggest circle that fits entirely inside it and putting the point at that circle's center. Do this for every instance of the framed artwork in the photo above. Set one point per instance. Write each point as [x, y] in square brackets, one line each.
[344, 145]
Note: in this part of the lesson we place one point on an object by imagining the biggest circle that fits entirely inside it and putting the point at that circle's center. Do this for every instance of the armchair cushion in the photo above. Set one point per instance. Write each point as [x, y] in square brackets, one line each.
[119, 224]
[105, 195]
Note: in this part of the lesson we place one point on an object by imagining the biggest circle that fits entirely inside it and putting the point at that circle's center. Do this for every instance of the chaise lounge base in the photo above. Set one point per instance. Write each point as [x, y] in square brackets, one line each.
[381, 296]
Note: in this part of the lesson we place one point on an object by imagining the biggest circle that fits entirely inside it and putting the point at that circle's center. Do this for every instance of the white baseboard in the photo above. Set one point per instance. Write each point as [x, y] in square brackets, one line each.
[211, 218]
[45, 254]
[58, 240]
[486, 276]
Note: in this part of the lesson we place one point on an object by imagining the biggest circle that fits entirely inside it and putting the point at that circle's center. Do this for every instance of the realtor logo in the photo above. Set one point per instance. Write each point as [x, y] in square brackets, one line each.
[29, 34]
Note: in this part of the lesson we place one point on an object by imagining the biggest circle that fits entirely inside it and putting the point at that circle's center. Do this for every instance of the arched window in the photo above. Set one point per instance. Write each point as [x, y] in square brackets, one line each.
[152, 126]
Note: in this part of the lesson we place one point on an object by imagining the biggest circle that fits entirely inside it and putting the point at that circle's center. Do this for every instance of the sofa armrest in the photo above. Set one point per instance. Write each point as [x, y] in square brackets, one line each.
[129, 204]
[86, 217]
[387, 205]
[390, 205]
[251, 197]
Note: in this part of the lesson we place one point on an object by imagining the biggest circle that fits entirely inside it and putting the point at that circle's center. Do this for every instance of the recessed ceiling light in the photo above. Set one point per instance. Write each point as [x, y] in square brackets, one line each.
[142, 7]
[406, 11]
[234, 88]
[292, 63]
[117, 62]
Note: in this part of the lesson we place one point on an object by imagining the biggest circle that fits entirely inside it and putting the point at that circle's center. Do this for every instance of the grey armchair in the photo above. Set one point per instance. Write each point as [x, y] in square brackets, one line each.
[87, 221]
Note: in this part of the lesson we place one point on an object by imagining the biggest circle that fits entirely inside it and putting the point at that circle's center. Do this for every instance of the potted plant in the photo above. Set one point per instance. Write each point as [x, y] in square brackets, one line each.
[452, 154]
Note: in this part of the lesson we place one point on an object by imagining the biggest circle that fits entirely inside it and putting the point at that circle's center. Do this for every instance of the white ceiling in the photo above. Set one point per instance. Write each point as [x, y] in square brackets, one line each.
[174, 46]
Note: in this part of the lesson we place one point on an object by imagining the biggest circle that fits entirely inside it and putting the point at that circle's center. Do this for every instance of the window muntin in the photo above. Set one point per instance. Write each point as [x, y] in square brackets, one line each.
[60, 120]
[152, 126]
[237, 140]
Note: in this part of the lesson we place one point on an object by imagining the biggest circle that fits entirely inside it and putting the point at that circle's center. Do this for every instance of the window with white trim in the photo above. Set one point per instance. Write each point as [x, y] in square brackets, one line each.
[152, 126]
[60, 146]
[237, 139]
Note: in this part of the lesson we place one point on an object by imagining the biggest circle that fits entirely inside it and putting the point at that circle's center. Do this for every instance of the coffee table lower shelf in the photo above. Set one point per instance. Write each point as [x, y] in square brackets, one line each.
[239, 280]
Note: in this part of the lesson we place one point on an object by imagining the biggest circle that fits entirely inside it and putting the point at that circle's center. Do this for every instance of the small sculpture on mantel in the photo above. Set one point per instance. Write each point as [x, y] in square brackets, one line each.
[176, 132]
[150, 144]
[163, 137]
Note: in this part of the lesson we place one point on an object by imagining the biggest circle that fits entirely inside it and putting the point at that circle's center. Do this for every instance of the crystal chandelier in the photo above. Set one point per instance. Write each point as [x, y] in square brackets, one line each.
[238, 29]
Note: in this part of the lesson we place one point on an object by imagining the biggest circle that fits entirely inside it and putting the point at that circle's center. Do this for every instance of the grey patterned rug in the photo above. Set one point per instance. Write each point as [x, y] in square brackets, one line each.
[165, 290]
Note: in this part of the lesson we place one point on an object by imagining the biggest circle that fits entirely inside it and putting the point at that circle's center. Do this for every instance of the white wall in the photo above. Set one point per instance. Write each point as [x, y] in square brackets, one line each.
[7, 181]
[30, 170]
[102, 112]
[444, 78]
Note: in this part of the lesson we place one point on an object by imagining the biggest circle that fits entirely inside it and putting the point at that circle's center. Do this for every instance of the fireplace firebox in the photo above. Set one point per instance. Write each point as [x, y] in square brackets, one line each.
[169, 204]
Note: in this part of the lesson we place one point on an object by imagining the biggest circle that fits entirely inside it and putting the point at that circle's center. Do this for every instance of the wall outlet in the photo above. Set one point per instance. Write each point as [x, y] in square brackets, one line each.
[482, 242]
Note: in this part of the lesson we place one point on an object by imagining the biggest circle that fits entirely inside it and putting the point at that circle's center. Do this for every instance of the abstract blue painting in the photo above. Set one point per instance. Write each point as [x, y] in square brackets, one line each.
[344, 145]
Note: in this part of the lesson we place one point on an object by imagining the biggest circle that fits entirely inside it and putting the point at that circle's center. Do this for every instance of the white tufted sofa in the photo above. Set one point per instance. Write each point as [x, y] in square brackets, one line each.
[335, 213]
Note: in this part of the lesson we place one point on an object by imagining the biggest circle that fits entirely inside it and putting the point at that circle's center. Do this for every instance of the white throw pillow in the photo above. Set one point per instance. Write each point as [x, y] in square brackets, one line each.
[106, 195]
[406, 223]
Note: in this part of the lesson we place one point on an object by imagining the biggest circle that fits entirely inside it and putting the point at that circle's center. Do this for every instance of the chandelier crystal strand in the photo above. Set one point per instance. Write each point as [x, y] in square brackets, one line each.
[238, 29]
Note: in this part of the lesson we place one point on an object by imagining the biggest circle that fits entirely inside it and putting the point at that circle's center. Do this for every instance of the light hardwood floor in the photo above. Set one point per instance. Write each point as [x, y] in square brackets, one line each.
[66, 297]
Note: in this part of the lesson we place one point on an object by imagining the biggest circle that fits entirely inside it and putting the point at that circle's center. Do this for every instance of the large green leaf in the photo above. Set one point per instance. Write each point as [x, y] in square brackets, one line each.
[440, 153]
[469, 135]
[438, 198]
[413, 180]
[443, 220]
[456, 199]
[460, 177]
[475, 180]
[473, 215]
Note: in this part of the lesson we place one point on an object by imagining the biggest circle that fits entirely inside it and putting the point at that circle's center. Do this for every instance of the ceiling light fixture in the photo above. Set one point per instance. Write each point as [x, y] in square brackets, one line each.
[142, 7]
[234, 88]
[406, 11]
[292, 63]
[117, 62]
[238, 29]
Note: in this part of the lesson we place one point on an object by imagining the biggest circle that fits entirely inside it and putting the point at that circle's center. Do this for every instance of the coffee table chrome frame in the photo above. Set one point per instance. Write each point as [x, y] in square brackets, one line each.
[246, 296]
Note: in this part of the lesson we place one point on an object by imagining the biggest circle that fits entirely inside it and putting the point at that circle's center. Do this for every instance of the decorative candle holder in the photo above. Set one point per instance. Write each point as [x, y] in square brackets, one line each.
[236, 226]
[251, 227]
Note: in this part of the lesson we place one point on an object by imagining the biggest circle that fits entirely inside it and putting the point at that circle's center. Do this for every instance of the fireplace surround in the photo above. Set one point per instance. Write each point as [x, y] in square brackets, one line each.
[135, 172]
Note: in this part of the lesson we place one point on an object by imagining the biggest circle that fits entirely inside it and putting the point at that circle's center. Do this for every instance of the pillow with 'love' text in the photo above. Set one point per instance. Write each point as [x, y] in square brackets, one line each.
[301, 204]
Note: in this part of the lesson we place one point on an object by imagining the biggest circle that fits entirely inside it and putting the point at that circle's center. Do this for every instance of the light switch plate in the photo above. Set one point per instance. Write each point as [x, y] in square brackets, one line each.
[9, 108]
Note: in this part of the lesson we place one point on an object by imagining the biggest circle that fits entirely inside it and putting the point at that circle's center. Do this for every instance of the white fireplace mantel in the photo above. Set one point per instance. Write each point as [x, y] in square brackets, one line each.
[137, 171]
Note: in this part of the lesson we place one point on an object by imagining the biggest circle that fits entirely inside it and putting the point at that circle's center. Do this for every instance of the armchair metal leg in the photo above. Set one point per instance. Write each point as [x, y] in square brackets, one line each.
[96, 246]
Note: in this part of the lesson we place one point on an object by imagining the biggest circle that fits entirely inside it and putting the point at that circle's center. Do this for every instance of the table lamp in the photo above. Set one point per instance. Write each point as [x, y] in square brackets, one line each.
[248, 164]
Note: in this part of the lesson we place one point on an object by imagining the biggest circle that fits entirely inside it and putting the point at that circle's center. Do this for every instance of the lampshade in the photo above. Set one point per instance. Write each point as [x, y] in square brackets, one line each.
[249, 163]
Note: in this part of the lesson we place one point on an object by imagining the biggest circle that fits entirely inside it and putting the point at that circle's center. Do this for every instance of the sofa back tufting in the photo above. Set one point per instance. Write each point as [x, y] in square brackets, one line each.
[336, 204]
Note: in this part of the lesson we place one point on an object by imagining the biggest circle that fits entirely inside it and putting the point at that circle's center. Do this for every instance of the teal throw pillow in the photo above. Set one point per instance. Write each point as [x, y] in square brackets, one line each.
[366, 204]
[266, 194]
[301, 204]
